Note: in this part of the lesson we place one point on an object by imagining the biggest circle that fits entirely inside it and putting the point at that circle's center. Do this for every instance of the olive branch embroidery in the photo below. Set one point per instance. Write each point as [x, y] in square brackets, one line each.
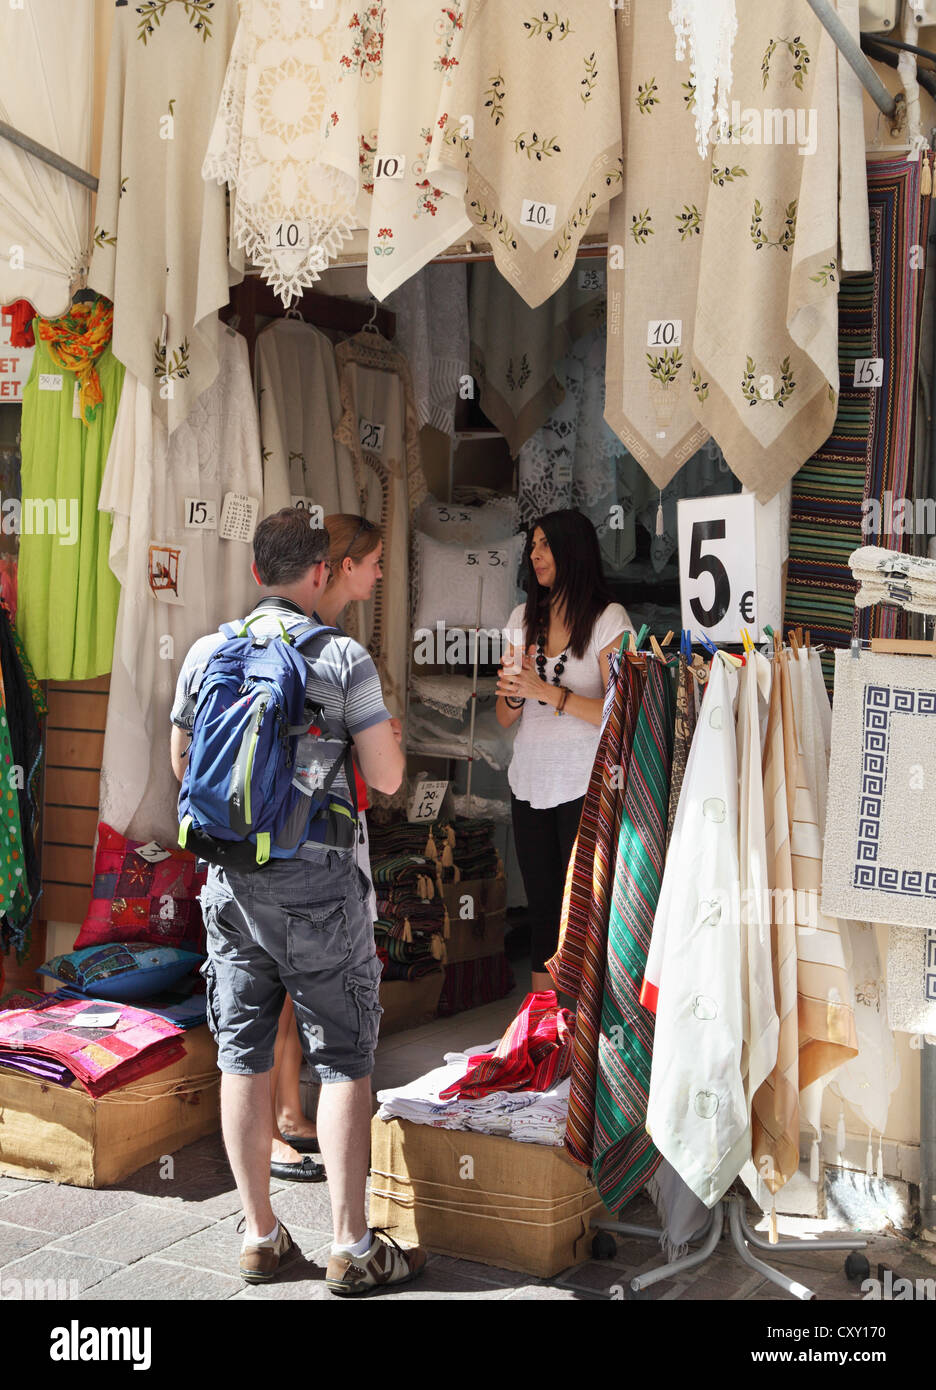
[825, 275]
[533, 144]
[152, 12]
[590, 79]
[689, 221]
[547, 26]
[578, 219]
[754, 396]
[646, 97]
[495, 99]
[666, 367]
[786, 238]
[103, 238]
[700, 387]
[175, 367]
[497, 222]
[640, 227]
[797, 51]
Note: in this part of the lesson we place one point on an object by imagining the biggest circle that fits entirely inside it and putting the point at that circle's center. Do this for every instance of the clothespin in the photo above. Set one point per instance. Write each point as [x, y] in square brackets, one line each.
[707, 643]
[642, 635]
[746, 641]
[667, 639]
[856, 647]
[656, 648]
[807, 639]
[632, 645]
[730, 659]
[685, 644]
[793, 643]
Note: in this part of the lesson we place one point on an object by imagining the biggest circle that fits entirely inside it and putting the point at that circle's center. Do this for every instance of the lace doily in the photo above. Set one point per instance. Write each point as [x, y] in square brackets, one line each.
[290, 212]
[450, 695]
[707, 28]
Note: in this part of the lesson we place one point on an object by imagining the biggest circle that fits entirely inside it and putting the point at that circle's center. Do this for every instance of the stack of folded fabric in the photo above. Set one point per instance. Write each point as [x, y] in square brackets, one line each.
[474, 851]
[410, 932]
[186, 1005]
[101, 1045]
[470, 983]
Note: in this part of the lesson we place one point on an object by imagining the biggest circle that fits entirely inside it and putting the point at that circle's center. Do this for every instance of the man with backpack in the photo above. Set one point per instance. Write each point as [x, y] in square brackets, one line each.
[268, 800]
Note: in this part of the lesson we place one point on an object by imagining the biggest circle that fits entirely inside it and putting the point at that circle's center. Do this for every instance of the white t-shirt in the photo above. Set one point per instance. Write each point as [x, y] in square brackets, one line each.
[552, 757]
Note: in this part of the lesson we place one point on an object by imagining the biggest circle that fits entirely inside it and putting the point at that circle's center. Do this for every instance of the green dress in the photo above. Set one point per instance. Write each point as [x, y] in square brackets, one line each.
[67, 593]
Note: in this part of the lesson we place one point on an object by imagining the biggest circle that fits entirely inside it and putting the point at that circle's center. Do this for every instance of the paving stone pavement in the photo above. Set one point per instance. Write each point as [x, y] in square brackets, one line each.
[169, 1232]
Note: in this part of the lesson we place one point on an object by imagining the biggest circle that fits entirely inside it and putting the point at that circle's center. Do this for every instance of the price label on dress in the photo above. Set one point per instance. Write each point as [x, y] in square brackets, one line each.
[540, 215]
[153, 852]
[389, 166]
[200, 514]
[76, 402]
[718, 566]
[591, 277]
[370, 435]
[664, 333]
[50, 381]
[426, 801]
[869, 371]
[485, 559]
[238, 517]
[291, 236]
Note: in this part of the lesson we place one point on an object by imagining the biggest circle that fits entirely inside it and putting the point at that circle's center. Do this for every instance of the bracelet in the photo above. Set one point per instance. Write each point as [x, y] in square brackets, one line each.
[562, 702]
[514, 701]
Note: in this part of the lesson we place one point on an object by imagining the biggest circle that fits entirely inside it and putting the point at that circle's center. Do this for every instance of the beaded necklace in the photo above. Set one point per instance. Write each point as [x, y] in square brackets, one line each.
[541, 662]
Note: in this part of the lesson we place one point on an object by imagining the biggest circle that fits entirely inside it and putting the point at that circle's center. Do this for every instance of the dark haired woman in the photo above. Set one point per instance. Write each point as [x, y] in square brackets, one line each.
[553, 677]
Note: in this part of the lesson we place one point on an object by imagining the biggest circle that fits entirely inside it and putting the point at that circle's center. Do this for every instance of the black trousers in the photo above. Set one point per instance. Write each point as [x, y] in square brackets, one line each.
[544, 841]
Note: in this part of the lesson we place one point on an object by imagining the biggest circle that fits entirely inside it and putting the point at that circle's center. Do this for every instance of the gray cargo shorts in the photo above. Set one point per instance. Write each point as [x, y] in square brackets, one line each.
[298, 926]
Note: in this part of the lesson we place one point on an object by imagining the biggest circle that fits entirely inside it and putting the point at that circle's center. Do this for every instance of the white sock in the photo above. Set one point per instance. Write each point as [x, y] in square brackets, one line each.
[360, 1247]
[259, 1240]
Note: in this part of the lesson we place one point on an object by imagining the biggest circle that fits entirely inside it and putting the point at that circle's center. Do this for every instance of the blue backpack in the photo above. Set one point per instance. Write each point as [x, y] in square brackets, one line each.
[239, 805]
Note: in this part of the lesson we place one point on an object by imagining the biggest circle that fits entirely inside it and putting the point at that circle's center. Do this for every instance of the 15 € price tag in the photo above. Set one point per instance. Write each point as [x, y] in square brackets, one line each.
[201, 514]
[426, 801]
[718, 566]
[869, 371]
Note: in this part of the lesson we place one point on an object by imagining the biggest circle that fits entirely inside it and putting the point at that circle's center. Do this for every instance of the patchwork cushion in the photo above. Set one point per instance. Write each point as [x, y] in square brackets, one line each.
[142, 892]
[121, 970]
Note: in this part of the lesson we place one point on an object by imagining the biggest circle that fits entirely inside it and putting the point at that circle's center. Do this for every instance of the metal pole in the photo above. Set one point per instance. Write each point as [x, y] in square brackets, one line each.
[928, 1141]
[57, 161]
[474, 696]
[851, 51]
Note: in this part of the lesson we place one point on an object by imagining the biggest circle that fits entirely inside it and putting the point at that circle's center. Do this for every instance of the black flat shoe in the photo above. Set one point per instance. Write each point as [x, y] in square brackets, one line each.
[302, 1146]
[306, 1171]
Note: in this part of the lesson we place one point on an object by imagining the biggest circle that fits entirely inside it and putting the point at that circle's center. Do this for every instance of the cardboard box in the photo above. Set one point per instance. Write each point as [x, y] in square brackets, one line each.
[483, 933]
[479, 1197]
[408, 1003]
[66, 1136]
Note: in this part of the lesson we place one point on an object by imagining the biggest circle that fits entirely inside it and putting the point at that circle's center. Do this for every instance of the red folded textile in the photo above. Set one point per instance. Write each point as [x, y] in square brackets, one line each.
[534, 1053]
[20, 314]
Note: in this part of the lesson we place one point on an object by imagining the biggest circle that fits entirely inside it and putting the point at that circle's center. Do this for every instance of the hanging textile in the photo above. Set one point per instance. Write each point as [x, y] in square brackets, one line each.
[432, 333]
[298, 393]
[380, 429]
[869, 1080]
[161, 233]
[291, 211]
[75, 342]
[516, 371]
[541, 151]
[766, 321]
[68, 596]
[907, 581]
[381, 115]
[868, 455]
[148, 487]
[624, 1156]
[20, 316]
[533, 1054]
[911, 981]
[698, 1113]
[579, 966]
[684, 723]
[655, 238]
[24, 705]
[48, 77]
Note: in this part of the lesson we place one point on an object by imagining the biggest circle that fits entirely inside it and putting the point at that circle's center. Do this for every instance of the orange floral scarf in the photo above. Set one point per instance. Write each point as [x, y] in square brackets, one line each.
[75, 342]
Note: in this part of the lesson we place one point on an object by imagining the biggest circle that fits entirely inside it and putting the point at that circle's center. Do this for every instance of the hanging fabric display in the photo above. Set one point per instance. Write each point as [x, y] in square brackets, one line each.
[869, 1080]
[48, 74]
[67, 625]
[291, 211]
[845, 494]
[911, 981]
[381, 115]
[655, 236]
[24, 705]
[170, 490]
[379, 428]
[516, 371]
[432, 334]
[540, 150]
[298, 393]
[161, 233]
[766, 321]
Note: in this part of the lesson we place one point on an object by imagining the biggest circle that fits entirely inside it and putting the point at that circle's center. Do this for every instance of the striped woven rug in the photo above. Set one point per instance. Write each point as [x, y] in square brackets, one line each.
[870, 451]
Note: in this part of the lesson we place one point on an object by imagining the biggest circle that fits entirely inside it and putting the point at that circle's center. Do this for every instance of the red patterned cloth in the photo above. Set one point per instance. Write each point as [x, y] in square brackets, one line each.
[20, 315]
[534, 1053]
[135, 898]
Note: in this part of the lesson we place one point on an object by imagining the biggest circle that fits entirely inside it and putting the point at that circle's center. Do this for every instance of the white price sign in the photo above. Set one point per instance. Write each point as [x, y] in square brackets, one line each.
[869, 371]
[591, 277]
[448, 514]
[389, 166]
[426, 801]
[291, 236]
[664, 333]
[153, 852]
[200, 514]
[485, 559]
[238, 517]
[542, 216]
[718, 566]
[370, 435]
[50, 381]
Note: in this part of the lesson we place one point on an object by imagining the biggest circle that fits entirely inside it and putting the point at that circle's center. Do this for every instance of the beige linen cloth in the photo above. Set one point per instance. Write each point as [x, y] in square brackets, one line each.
[528, 132]
[300, 406]
[655, 236]
[376, 392]
[766, 330]
[161, 232]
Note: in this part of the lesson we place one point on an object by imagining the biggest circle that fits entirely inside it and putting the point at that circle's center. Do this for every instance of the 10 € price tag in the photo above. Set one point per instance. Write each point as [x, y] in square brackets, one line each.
[718, 566]
[539, 215]
[426, 801]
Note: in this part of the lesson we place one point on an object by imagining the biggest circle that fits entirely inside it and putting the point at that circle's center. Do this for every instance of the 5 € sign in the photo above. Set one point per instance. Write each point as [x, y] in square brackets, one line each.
[718, 566]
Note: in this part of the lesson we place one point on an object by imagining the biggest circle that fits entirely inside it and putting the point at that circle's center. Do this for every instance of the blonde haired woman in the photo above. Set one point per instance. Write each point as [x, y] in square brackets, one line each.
[354, 551]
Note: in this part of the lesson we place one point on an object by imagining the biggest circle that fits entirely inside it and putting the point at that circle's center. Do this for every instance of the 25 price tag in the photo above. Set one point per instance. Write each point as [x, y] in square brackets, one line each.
[200, 514]
[869, 371]
[664, 333]
[370, 435]
[592, 277]
[539, 215]
[486, 559]
[426, 801]
[718, 566]
[291, 236]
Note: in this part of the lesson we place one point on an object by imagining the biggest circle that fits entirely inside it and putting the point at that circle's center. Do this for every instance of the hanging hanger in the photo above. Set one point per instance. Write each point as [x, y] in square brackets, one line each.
[371, 324]
[293, 313]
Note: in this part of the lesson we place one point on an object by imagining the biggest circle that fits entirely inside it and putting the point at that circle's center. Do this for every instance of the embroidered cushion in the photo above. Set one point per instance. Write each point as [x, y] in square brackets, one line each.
[448, 582]
[121, 970]
[142, 892]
